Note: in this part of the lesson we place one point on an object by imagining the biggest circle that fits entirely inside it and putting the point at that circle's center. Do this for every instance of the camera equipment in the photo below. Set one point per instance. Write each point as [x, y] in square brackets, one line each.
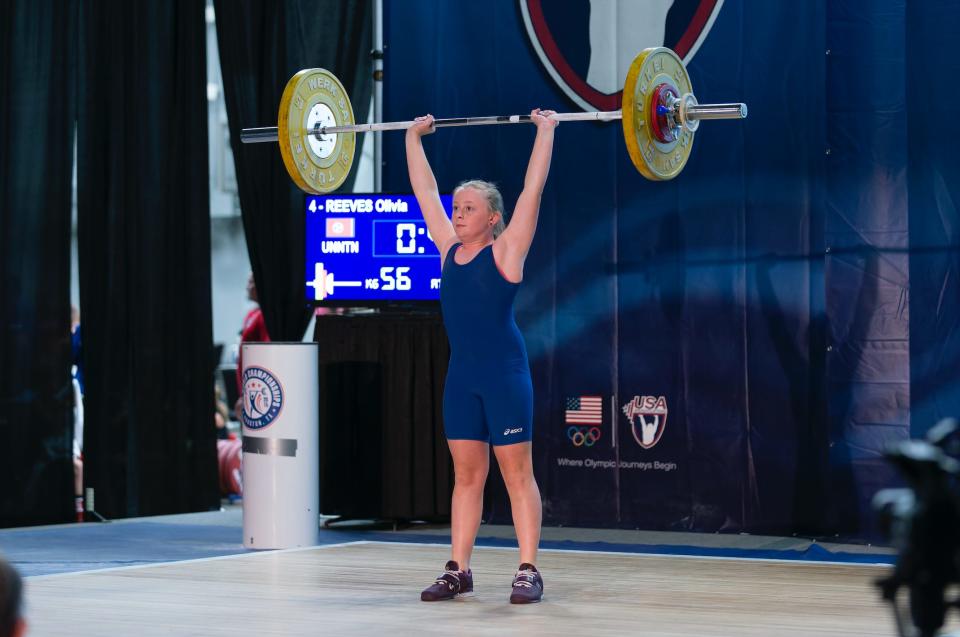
[923, 521]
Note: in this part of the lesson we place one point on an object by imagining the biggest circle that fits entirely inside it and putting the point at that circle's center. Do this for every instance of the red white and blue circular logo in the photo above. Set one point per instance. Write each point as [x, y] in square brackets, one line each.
[262, 397]
[587, 45]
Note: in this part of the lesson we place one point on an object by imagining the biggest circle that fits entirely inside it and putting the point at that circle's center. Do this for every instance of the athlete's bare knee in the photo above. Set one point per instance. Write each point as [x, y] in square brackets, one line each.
[472, 479]
[518, 480]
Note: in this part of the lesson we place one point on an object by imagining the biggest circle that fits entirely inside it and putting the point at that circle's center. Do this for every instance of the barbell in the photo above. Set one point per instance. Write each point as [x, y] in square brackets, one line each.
[660, 115]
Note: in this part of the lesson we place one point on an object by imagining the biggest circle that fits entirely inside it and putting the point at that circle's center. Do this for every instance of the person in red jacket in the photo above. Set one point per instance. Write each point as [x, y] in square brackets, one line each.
[254, 330]
[12, 623]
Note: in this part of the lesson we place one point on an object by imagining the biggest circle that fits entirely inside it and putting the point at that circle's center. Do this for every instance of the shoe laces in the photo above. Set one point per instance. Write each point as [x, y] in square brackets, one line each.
[524, 578]
[445, 579]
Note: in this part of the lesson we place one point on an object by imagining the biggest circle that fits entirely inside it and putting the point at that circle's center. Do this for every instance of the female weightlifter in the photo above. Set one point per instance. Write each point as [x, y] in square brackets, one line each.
[488, 396]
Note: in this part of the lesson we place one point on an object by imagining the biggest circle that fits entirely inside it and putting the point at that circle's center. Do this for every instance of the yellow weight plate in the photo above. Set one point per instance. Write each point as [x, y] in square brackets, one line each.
[311, 97]
[655, 160]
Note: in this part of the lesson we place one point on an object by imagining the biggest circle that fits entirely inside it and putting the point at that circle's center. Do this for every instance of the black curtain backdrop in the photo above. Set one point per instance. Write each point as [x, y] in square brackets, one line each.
[37, 49]
[144, 234]
[262, 45]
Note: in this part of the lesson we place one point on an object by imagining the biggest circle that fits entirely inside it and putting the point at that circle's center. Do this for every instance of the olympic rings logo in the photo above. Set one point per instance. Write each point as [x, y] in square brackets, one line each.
[583, 436]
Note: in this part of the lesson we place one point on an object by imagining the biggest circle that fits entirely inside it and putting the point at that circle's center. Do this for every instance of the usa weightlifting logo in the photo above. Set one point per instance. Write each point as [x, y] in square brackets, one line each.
[586, 46]
[647, 433]
[262, 398]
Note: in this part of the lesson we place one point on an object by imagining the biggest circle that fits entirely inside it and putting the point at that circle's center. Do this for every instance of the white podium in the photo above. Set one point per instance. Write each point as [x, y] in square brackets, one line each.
[281, 480]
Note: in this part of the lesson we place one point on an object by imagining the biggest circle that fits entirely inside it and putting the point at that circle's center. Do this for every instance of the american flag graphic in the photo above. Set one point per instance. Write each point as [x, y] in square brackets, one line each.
[584, 410]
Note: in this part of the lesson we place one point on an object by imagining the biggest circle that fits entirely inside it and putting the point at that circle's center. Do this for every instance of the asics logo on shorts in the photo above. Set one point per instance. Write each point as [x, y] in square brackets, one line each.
[508, 431]
[583, 436]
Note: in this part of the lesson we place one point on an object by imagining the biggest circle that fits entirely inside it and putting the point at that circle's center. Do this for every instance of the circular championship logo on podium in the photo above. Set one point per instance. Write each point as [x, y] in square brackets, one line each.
[262, 398]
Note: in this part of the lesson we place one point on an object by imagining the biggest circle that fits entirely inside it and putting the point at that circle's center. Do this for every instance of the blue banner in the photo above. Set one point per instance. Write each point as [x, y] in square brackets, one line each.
[729, 350]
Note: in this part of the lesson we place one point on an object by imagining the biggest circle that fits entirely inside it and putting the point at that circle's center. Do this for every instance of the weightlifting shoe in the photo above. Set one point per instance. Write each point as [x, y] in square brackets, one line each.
[452, 583]
[527, 585]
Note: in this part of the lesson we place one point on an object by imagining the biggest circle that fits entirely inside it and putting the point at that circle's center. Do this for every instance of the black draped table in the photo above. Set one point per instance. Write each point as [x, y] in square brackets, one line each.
[382, 450]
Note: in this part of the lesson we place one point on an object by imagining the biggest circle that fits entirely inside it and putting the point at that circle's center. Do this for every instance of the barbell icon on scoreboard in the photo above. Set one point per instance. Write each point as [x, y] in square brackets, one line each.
[324, 284]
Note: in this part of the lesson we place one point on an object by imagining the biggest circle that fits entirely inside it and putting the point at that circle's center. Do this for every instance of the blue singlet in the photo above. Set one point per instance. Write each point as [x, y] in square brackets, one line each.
[488, 394]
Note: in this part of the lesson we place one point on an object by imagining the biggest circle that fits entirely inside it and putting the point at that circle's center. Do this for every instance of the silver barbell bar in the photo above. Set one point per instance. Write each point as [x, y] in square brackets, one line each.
[691, 112]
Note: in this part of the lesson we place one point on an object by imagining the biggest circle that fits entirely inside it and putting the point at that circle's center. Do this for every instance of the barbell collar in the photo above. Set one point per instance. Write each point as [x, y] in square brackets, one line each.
[256, 135]
[716, 111]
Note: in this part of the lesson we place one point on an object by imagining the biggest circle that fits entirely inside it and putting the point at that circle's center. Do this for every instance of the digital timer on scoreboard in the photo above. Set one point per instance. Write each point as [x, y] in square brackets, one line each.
[363, 248]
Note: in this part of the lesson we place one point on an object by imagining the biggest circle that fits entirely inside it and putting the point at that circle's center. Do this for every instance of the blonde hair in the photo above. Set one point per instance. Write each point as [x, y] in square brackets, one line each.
[493, 197]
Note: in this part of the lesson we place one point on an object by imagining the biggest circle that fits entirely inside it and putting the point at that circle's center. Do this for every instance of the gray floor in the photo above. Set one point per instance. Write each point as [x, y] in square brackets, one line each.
[373, 588]
[162, 539]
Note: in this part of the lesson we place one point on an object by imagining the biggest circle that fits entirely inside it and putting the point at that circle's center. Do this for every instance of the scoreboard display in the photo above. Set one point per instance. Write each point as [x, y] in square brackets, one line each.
[370, 248]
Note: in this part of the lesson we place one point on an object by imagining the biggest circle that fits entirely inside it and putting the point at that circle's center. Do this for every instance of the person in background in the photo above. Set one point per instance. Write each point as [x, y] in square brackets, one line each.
[229, 452]
[12, 623]
[254, 330]
[76, 346]
[220, 414]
